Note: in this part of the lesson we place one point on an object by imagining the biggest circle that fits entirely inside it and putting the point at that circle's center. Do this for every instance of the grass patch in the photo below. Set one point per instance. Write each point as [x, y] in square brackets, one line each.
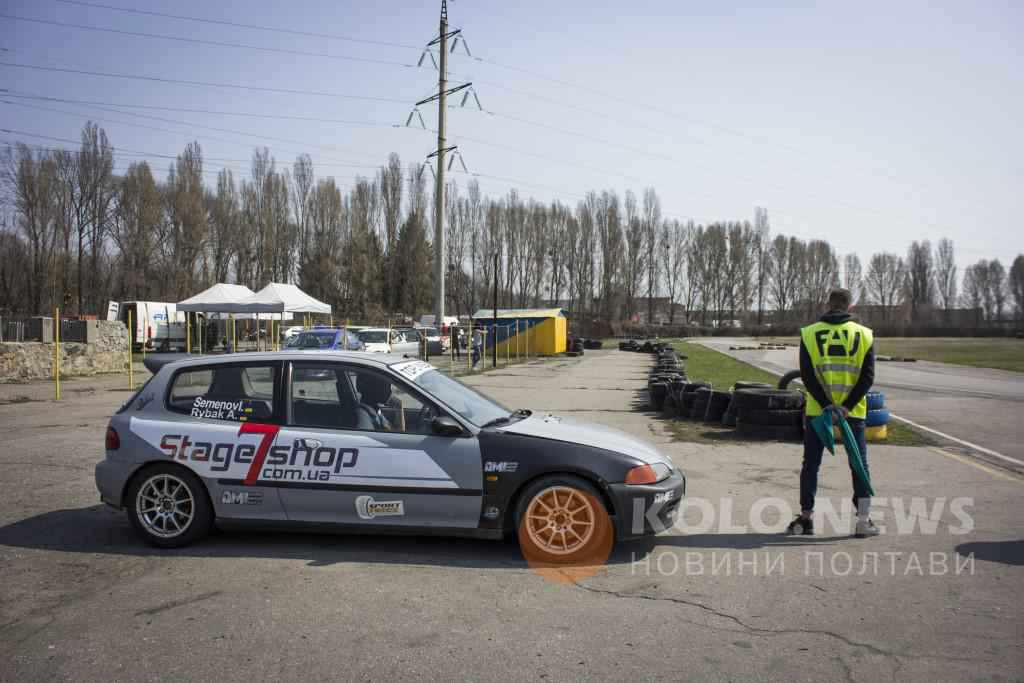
[984, 352]
[722, 372]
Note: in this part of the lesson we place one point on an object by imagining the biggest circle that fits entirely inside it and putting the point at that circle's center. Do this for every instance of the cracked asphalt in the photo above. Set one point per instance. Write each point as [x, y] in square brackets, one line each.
[81, 599]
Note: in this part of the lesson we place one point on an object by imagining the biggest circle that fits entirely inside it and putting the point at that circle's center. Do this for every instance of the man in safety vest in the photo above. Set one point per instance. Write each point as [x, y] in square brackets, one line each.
[837, 367]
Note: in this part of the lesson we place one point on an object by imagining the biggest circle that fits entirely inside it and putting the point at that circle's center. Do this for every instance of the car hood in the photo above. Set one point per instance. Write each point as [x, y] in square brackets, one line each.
[557, 428]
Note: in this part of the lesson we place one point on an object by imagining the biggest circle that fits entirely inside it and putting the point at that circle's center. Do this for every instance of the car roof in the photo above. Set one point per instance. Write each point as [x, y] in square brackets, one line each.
[359, 357]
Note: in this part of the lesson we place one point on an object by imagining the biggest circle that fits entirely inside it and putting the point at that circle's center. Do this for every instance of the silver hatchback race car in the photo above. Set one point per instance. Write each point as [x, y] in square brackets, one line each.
[381, 442]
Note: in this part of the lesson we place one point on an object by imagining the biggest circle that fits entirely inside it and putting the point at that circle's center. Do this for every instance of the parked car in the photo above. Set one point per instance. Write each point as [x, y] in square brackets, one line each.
[437, 344]
[395, 340]
[368, 441]
[327, 338]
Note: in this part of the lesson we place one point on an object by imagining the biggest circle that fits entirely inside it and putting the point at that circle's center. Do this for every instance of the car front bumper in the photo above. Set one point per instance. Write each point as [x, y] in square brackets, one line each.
[643, 510]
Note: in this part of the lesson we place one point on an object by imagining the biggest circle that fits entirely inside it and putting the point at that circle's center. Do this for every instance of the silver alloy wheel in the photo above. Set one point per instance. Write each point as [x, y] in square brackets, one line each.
[165, 506]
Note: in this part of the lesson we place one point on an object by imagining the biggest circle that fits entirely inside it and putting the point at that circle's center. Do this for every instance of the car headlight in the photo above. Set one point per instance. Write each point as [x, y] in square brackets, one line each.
[648, 474]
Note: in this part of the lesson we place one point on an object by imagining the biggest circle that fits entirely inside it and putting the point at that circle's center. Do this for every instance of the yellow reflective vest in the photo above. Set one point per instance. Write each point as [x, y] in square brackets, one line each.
[837, 353]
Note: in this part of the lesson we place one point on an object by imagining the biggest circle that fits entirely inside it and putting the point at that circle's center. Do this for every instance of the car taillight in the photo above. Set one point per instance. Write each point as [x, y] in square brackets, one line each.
[113, 440]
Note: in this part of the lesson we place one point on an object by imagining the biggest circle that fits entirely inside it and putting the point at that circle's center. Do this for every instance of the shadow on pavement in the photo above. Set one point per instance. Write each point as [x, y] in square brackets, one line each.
[99, 529]
[1003, 552]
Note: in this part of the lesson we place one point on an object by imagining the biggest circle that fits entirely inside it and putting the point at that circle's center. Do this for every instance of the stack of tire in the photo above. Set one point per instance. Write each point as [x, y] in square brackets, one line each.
[876, 425]
[592, 344]
[575, 347]
[629, 345]
[775, 414]
[688, 399]
[668, 370]
[728, 418]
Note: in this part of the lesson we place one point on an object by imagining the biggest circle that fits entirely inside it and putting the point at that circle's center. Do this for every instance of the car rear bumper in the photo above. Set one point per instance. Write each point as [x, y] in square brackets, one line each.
[643, 510]
[111, 478]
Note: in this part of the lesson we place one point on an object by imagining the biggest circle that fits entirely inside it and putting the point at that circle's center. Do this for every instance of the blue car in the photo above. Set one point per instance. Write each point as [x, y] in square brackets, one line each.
[327, 339]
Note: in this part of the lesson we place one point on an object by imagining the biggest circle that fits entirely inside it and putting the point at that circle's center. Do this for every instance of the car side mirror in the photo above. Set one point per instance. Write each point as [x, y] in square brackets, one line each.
[443, 425]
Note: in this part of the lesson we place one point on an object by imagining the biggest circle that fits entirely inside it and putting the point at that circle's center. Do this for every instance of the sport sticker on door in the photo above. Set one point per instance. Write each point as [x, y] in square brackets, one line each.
[368, 508]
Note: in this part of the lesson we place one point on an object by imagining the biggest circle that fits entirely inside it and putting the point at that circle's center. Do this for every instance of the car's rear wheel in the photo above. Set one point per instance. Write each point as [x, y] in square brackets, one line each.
[562, 521]
[169, 507]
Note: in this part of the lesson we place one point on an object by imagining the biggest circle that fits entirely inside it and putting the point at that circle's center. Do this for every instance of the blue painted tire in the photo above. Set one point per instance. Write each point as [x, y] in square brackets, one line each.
[877, 418]
[876, 400]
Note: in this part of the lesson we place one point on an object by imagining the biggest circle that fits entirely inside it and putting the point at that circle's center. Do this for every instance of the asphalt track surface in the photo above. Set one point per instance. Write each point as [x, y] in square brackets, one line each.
[981, 406]
[82, 599]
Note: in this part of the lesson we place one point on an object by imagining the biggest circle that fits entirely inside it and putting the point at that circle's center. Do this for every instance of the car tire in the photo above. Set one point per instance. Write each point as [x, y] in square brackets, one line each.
[876, 400]
[718, 403]
[768, 399]
[544, 513]
[786, 418]
[787, 378]
[770, 432]
[877, 418]
[169, 488]
[744, 385]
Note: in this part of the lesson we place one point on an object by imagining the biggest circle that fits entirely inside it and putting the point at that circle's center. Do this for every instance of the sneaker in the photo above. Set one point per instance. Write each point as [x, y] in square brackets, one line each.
[866, 529]
[801, 526]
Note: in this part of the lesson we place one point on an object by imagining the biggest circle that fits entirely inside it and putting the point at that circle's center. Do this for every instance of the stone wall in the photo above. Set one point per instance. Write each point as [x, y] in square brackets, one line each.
[26, 361]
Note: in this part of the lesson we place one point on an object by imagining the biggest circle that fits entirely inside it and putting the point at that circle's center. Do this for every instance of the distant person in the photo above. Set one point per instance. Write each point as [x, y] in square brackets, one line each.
[478, 345]
[837, 367]
[455, 340]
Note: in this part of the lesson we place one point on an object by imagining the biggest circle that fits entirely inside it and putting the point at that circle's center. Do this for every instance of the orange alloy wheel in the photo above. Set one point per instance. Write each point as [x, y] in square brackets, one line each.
[564, 524]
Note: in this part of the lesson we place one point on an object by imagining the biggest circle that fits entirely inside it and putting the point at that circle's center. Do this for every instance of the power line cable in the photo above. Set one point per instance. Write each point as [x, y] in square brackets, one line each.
[214, 43]
[205, 84]
[236, 24]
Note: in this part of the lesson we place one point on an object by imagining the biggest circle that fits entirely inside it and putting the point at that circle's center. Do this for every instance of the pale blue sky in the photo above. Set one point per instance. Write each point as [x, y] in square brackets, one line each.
[870, 124]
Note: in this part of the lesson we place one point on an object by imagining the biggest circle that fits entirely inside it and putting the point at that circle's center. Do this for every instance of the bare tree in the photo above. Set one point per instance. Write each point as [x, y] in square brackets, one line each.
[853, 274]
[762, 245]
[945, 275]
[675, 243]
[636, 254]
[884, 281]
[137, 222]
[974, 288]
[651, 221]
[785, 259]
[920, 278]
[1016, 286]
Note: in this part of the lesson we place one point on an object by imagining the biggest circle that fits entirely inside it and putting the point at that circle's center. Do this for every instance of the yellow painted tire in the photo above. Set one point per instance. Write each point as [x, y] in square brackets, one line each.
[879, 433]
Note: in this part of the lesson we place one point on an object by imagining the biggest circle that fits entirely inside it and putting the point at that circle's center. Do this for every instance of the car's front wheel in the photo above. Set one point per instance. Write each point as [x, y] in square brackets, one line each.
[169, 507]
[562, 521]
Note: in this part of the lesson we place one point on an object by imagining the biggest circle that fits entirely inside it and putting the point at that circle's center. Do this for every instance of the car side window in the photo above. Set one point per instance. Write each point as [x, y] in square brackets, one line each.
[387, 405]
[235, 393]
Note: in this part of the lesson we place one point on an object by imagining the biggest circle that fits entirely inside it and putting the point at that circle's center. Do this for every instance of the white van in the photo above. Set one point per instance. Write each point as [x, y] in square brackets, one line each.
[157, 324]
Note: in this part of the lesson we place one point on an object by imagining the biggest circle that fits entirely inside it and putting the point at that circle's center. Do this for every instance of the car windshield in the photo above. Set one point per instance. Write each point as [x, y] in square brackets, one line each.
[471, 405]
[374, 336]
[315, 340]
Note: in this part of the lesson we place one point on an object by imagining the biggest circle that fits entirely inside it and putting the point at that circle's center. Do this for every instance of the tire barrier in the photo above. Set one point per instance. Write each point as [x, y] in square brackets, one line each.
[877, 418]
[688, 397]
[751, 385]
[700, 403]
[718, 403]
[772, 418]
[876, 400]
[768, 399]
[787, 378]
[592, 344]
[658, 391]
[879, 433]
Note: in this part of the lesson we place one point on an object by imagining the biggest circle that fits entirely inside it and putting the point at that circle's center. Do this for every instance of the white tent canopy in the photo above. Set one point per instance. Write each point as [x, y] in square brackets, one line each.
[216, 299]
[281, 298]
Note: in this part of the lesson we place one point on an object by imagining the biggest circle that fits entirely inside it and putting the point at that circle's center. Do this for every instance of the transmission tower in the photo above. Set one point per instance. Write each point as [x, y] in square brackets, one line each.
[441, 64]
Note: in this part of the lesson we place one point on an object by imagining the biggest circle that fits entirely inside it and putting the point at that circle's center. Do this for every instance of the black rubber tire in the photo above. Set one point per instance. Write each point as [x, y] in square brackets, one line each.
[729, 419]
[669, 408]
[686, 404]
[785, 418]
[658, 391]
[741, 385]
[595, 553]
[694, 386]
[768, 399]
[202, 518]
[700, 403]
[718, 403]
[770, 432]
[787, 378]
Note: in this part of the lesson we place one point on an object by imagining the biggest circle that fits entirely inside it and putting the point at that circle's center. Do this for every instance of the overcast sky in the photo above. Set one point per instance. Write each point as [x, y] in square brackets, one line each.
[870, 124]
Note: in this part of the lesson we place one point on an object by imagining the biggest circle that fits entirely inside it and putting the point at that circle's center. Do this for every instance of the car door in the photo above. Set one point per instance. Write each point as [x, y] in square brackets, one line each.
[347, 457]
[405, 342]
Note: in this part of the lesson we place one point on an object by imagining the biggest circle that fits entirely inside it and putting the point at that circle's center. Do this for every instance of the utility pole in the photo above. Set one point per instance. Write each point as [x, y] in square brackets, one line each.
[442, 95]
[439, 248]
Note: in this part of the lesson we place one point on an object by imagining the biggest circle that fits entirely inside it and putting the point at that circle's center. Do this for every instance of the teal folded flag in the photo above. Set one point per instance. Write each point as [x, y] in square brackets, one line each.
[822, 426]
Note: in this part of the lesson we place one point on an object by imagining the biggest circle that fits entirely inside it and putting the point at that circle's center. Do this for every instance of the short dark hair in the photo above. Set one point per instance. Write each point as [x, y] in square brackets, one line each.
[839, 299]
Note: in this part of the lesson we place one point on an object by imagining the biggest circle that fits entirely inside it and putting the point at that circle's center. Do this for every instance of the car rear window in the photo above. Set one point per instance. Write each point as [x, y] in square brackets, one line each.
[235, 393]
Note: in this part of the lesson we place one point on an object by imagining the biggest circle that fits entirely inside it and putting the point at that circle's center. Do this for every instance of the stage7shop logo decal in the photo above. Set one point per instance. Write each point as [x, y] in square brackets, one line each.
[302, 461]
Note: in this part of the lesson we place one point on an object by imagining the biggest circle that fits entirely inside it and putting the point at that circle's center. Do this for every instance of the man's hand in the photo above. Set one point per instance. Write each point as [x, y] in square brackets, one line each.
[838, 413]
